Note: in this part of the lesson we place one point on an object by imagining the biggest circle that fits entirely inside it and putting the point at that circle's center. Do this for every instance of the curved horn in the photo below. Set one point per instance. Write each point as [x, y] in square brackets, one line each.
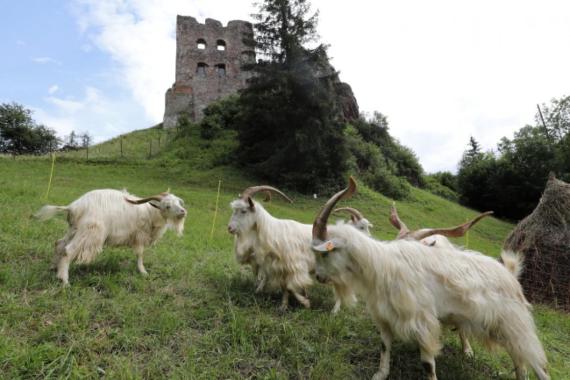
[157, 198]
[396, 222]
[352, 211]
[320, 224]
[449, 232]
[251, 191]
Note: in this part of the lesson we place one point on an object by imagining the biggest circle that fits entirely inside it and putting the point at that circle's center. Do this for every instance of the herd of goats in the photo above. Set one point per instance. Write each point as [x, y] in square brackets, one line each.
[411, 285]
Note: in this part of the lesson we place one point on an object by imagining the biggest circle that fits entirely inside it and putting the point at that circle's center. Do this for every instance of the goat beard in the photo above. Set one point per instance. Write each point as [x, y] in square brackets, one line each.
[177, 225]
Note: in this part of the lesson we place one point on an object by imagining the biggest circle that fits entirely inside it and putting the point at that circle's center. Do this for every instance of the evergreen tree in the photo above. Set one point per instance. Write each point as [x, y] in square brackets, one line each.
[289, 129]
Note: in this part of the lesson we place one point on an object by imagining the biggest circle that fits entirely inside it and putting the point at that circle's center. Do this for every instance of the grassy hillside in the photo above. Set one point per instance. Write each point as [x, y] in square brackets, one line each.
[196, 316]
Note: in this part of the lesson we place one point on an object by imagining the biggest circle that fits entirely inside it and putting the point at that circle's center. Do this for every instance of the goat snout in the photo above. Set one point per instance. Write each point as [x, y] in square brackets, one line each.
[231, 229]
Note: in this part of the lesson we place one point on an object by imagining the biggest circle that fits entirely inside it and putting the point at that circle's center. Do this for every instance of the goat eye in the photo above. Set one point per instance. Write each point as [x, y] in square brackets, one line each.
[168, 207]
[244, 211]
[325, 254]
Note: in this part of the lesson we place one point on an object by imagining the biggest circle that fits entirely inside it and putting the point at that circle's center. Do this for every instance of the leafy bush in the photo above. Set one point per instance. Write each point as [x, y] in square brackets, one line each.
[402, 160]
[367, 160]
[219, 116]
[434, 185]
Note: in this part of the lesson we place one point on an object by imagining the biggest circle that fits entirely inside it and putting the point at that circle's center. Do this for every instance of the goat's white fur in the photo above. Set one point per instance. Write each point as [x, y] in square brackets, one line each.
[104, 217]
[410, 288]
[278, 249]
[279, 253]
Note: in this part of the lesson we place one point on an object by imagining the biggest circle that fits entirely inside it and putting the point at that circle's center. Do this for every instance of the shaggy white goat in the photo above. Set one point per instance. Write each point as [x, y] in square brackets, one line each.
[356, 219]
[113, 218]
[276, 248]
[410, 289]
[437, 237]
[278, 251]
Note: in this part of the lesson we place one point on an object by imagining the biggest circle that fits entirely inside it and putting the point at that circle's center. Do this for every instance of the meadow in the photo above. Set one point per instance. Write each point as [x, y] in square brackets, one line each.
[195, 316]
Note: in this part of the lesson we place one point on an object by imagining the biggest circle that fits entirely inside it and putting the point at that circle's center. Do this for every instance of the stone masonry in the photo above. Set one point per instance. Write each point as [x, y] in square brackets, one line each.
[209, 59]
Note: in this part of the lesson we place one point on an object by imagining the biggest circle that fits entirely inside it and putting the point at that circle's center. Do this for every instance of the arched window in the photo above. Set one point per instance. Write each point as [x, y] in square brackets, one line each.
[221, 45]
[201, 44]
[201, 69]
[221, 69]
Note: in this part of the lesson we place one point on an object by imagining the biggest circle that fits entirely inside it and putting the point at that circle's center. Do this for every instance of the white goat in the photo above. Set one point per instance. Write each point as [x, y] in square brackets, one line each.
[411, 288]
[437, 237]
[276, 248]
[356, 219]
[113, 218]
[278, 251]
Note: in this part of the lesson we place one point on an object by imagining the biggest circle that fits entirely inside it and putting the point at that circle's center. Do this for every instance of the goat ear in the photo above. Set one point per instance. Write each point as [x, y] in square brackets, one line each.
[154, 204]
[328, 246]
[251, 204]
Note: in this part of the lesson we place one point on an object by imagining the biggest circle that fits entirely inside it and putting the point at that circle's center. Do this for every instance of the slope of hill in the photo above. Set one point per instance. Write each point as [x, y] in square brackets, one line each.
[196, 315]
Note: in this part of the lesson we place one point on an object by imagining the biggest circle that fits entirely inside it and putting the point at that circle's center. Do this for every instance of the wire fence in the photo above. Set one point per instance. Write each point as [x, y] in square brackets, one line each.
[546, 276]
[136, 145]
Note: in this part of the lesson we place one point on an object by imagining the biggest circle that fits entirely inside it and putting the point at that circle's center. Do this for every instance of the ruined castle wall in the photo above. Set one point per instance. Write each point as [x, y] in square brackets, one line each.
[209, 59]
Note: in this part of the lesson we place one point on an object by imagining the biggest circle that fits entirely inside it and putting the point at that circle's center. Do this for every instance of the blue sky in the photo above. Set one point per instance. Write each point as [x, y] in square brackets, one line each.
[442, 70]
[52, 67]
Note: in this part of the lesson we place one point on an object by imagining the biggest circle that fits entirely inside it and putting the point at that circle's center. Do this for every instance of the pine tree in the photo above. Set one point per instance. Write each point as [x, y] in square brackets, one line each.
[290, 132]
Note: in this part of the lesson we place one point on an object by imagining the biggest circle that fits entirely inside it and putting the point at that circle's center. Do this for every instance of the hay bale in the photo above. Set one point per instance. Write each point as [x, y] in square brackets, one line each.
[544, 239]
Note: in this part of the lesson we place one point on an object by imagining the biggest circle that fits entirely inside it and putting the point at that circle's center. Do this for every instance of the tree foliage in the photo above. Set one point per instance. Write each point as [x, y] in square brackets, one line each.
[19, 133]
[289, 127]
[510, 181]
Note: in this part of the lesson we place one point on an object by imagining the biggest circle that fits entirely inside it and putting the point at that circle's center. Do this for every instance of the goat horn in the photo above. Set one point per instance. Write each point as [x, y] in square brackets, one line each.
[397, 222]
[157, 198]
[320, 224]
[352, 211]
[449, 232]
[251, 191]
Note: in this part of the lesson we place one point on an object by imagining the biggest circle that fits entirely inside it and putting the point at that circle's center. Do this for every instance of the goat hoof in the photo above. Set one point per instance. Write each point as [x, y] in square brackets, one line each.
[468, 353]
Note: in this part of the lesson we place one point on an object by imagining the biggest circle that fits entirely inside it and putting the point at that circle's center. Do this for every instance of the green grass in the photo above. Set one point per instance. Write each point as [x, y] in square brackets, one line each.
[196, 316]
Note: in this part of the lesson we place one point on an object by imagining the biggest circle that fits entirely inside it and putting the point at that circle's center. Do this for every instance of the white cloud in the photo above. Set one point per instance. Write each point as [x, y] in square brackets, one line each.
[441, 70]
[140, 36]
[53, 89]
[46, 60]
[95, 113]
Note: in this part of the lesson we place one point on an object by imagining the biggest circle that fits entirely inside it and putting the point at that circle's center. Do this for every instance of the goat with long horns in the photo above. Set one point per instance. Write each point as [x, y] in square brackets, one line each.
[113, 218]
[411, 289]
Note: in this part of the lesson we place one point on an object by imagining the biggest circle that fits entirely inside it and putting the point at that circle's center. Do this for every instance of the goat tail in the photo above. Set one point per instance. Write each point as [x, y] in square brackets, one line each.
[513, 262]
[49, 211]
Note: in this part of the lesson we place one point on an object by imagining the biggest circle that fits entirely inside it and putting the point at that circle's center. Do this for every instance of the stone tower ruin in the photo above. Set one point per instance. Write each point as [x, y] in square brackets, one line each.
[209, 59]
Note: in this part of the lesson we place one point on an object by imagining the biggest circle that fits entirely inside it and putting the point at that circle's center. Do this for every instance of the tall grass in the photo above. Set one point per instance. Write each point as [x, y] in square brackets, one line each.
[196, 316]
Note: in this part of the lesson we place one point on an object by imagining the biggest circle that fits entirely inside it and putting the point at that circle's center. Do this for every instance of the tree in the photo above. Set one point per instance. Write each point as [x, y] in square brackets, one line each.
[511, 182]
[472, 154]
[556, 117]
[19, 134]
[283, 27]
[290, 130]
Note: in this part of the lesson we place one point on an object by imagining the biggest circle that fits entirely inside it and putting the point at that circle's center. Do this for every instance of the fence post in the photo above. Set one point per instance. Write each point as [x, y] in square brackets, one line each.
[150, 148]
[121, 146]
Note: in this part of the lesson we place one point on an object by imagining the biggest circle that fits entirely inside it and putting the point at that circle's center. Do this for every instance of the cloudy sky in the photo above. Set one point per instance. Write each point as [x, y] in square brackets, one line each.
[440, 70]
